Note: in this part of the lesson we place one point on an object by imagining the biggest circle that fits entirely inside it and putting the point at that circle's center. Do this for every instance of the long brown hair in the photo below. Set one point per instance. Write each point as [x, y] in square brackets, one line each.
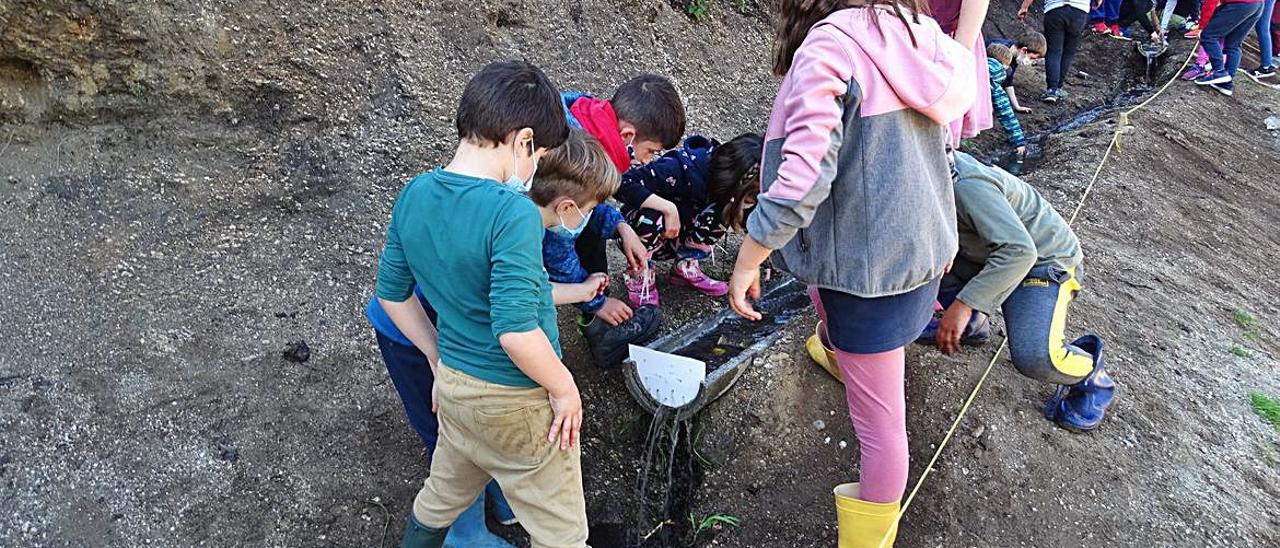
[799, 16]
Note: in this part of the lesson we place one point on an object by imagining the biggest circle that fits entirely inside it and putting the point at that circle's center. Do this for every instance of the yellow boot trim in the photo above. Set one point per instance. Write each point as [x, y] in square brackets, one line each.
[1064, 361]
[864, 524]
[824, 356]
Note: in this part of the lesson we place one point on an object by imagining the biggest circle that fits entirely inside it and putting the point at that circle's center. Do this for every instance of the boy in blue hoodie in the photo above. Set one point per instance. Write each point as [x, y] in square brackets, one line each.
[644, 116]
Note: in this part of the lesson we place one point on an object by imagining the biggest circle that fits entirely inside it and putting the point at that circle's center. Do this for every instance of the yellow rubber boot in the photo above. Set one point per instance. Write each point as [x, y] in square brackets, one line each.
[864, 524]
[825, 357]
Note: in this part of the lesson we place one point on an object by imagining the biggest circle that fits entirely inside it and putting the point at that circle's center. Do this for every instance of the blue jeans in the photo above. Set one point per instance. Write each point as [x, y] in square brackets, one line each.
[411, 375]
[1264, 33]
[1108, 12]
[1035, 317]
[1230, 24]
[1062, 28]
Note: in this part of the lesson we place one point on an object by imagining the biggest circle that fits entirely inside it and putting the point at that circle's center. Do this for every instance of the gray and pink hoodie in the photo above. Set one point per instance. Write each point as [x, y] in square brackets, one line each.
[856, 187]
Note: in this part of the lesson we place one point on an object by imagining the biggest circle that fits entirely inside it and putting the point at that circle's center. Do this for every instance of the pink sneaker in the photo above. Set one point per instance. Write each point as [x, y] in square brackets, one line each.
[688, 273]
[1101, 28]
[642, 288]
[1194, 73]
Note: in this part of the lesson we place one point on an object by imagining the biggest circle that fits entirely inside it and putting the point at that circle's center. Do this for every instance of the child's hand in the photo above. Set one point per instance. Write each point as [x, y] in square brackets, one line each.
[1022, 14]
[1022, 109]
[951, 327]
[745, 282]
[594, 285]
[568, 422]
[614, 311]
[632, 248]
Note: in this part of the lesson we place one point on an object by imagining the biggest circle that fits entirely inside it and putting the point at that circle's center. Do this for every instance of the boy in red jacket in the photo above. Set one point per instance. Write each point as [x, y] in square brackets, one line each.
[645, 116]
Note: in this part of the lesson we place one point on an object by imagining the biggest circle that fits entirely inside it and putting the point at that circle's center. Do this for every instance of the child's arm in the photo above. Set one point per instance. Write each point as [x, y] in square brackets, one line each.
[635, 192]
[969, 27]
[516, 278]
[568, 293]
[632, 247]
[560, 259]
[1022, 11]
[1013, 100]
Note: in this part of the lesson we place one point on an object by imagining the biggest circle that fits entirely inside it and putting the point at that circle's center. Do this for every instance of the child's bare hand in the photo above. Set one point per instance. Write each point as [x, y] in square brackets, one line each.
[744, 283]
[951, 327]
[614, 311]
[568, 422]
[633, 249]
[1022, 109]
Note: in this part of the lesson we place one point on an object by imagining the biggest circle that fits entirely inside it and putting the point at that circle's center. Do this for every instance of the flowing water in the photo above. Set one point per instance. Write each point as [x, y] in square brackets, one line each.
[733, 336]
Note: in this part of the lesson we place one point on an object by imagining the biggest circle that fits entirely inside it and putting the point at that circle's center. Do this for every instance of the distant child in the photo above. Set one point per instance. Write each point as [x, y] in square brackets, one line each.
[1031, 47]
[714, 186]
[1202, 66]
[1105, 18]
[644, 116]
[1018, 254]
[998, 60]
[1064, 20]
[1266, 71]
[499, 382]
[1221, 39]
[857, 202]
[1137, 11]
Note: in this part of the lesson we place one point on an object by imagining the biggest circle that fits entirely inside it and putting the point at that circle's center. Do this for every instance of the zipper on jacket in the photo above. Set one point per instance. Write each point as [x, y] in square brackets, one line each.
[804, 242]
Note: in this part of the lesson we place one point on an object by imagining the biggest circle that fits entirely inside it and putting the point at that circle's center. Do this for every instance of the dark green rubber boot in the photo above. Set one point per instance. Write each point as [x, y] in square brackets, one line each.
[417, 535]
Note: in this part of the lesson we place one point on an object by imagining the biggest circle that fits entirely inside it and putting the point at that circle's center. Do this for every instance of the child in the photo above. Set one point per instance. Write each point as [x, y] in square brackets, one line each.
[1137, 11]
[1266, 71]
[998, 59]
[499, 379]
[962, 20]
[1202, 66]
[1017, 253]
[1105, 17]
[1064, 20]
[857, 201]
[1232, 21]
[644, 116]
[1031, 47]
[713, 187]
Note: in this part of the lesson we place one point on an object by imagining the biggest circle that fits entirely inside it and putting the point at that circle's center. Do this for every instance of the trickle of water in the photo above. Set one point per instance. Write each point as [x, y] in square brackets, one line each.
[668, 461]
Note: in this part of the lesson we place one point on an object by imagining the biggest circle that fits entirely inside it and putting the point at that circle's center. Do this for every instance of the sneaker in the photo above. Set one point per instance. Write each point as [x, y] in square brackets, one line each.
[1213, 78]
[1194, 73]
[1191, 26]
[1050, 96]
[1227, 88]
[642, 289]
[1261, 73]
[608, 343]
[1193, 34]
[688, 273]
[1100, 28]
[1080, 407]
[1119, 34]
[977, 333]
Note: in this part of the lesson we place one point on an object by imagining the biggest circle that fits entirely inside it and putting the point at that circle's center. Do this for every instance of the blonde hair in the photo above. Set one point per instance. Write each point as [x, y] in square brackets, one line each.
[1000, 53]
[579, 169]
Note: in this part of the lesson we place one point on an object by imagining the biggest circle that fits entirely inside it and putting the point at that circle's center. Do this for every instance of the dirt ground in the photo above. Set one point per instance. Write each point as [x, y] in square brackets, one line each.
[188, 186]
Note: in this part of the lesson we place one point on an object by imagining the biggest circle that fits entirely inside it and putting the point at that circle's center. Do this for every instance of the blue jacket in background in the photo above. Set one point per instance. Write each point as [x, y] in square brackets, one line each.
[679, 176]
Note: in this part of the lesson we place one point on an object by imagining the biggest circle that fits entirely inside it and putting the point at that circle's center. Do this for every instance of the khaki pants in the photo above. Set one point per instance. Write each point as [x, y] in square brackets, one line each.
[493, 431]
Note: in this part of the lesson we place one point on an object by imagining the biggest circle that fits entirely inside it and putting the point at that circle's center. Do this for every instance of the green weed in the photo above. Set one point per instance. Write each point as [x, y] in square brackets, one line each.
[707, 523]
[1266, 408]
[1248, 323]
[743, 6]
[1239, 351]
[698, 9]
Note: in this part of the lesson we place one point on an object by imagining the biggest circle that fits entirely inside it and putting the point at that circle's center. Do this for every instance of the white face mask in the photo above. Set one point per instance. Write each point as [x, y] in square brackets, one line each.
[514, 182]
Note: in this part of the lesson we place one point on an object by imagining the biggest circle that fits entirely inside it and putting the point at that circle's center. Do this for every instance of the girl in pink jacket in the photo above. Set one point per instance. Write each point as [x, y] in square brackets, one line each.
[856, 200]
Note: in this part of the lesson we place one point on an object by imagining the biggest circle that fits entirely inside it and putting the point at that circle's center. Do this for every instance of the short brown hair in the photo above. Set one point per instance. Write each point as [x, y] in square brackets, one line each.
[579, 169]
[1034, 42]
[652, 104]
[1000, 53]
[507, 96]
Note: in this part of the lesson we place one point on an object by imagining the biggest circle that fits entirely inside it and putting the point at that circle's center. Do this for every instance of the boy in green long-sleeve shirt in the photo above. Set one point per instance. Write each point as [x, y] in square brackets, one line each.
[1018, 254]
[470, 238]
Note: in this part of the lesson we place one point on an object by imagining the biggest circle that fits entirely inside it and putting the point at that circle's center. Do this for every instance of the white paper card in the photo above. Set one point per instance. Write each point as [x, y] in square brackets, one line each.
[672, 380]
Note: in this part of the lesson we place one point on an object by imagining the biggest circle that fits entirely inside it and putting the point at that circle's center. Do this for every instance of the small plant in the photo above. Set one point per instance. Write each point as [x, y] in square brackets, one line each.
[1239, 351]
[1248, 323]
[698, 9]
[1266, 408]
[743, 6]
[705, 524]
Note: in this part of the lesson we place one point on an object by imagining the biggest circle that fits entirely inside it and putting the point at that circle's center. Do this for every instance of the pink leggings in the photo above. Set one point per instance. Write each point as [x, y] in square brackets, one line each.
[877, 404]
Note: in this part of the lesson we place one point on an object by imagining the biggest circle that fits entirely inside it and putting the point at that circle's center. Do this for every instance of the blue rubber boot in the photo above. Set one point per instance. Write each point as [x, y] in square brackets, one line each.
[417, 535]
[501, 509]
[471, 531]
[1081, 406]
[977, 333]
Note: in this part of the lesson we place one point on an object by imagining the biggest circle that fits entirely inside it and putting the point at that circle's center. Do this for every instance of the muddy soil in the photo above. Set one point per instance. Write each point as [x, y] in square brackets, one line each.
[189, 187]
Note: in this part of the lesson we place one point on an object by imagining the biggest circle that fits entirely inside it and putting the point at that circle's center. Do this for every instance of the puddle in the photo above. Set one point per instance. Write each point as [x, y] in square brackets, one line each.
[734, 335]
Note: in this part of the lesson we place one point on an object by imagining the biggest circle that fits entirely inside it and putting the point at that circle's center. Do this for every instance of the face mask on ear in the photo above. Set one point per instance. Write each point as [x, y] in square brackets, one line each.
[572, 233]
[514, 182]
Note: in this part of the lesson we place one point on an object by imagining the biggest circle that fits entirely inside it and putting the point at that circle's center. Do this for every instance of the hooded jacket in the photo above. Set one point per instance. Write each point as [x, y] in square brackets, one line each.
[856, 187]
[679, 176]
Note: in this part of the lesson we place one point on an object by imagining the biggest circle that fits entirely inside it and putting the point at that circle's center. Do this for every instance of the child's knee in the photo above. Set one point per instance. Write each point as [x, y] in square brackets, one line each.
[1033, 361]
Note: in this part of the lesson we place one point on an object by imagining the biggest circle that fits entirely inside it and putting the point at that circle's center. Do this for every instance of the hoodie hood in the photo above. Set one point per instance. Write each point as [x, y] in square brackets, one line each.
[916, 64]
[596, 117]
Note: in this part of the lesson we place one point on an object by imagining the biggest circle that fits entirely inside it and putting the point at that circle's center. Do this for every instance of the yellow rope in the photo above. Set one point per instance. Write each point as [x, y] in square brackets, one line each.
[973, 395]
